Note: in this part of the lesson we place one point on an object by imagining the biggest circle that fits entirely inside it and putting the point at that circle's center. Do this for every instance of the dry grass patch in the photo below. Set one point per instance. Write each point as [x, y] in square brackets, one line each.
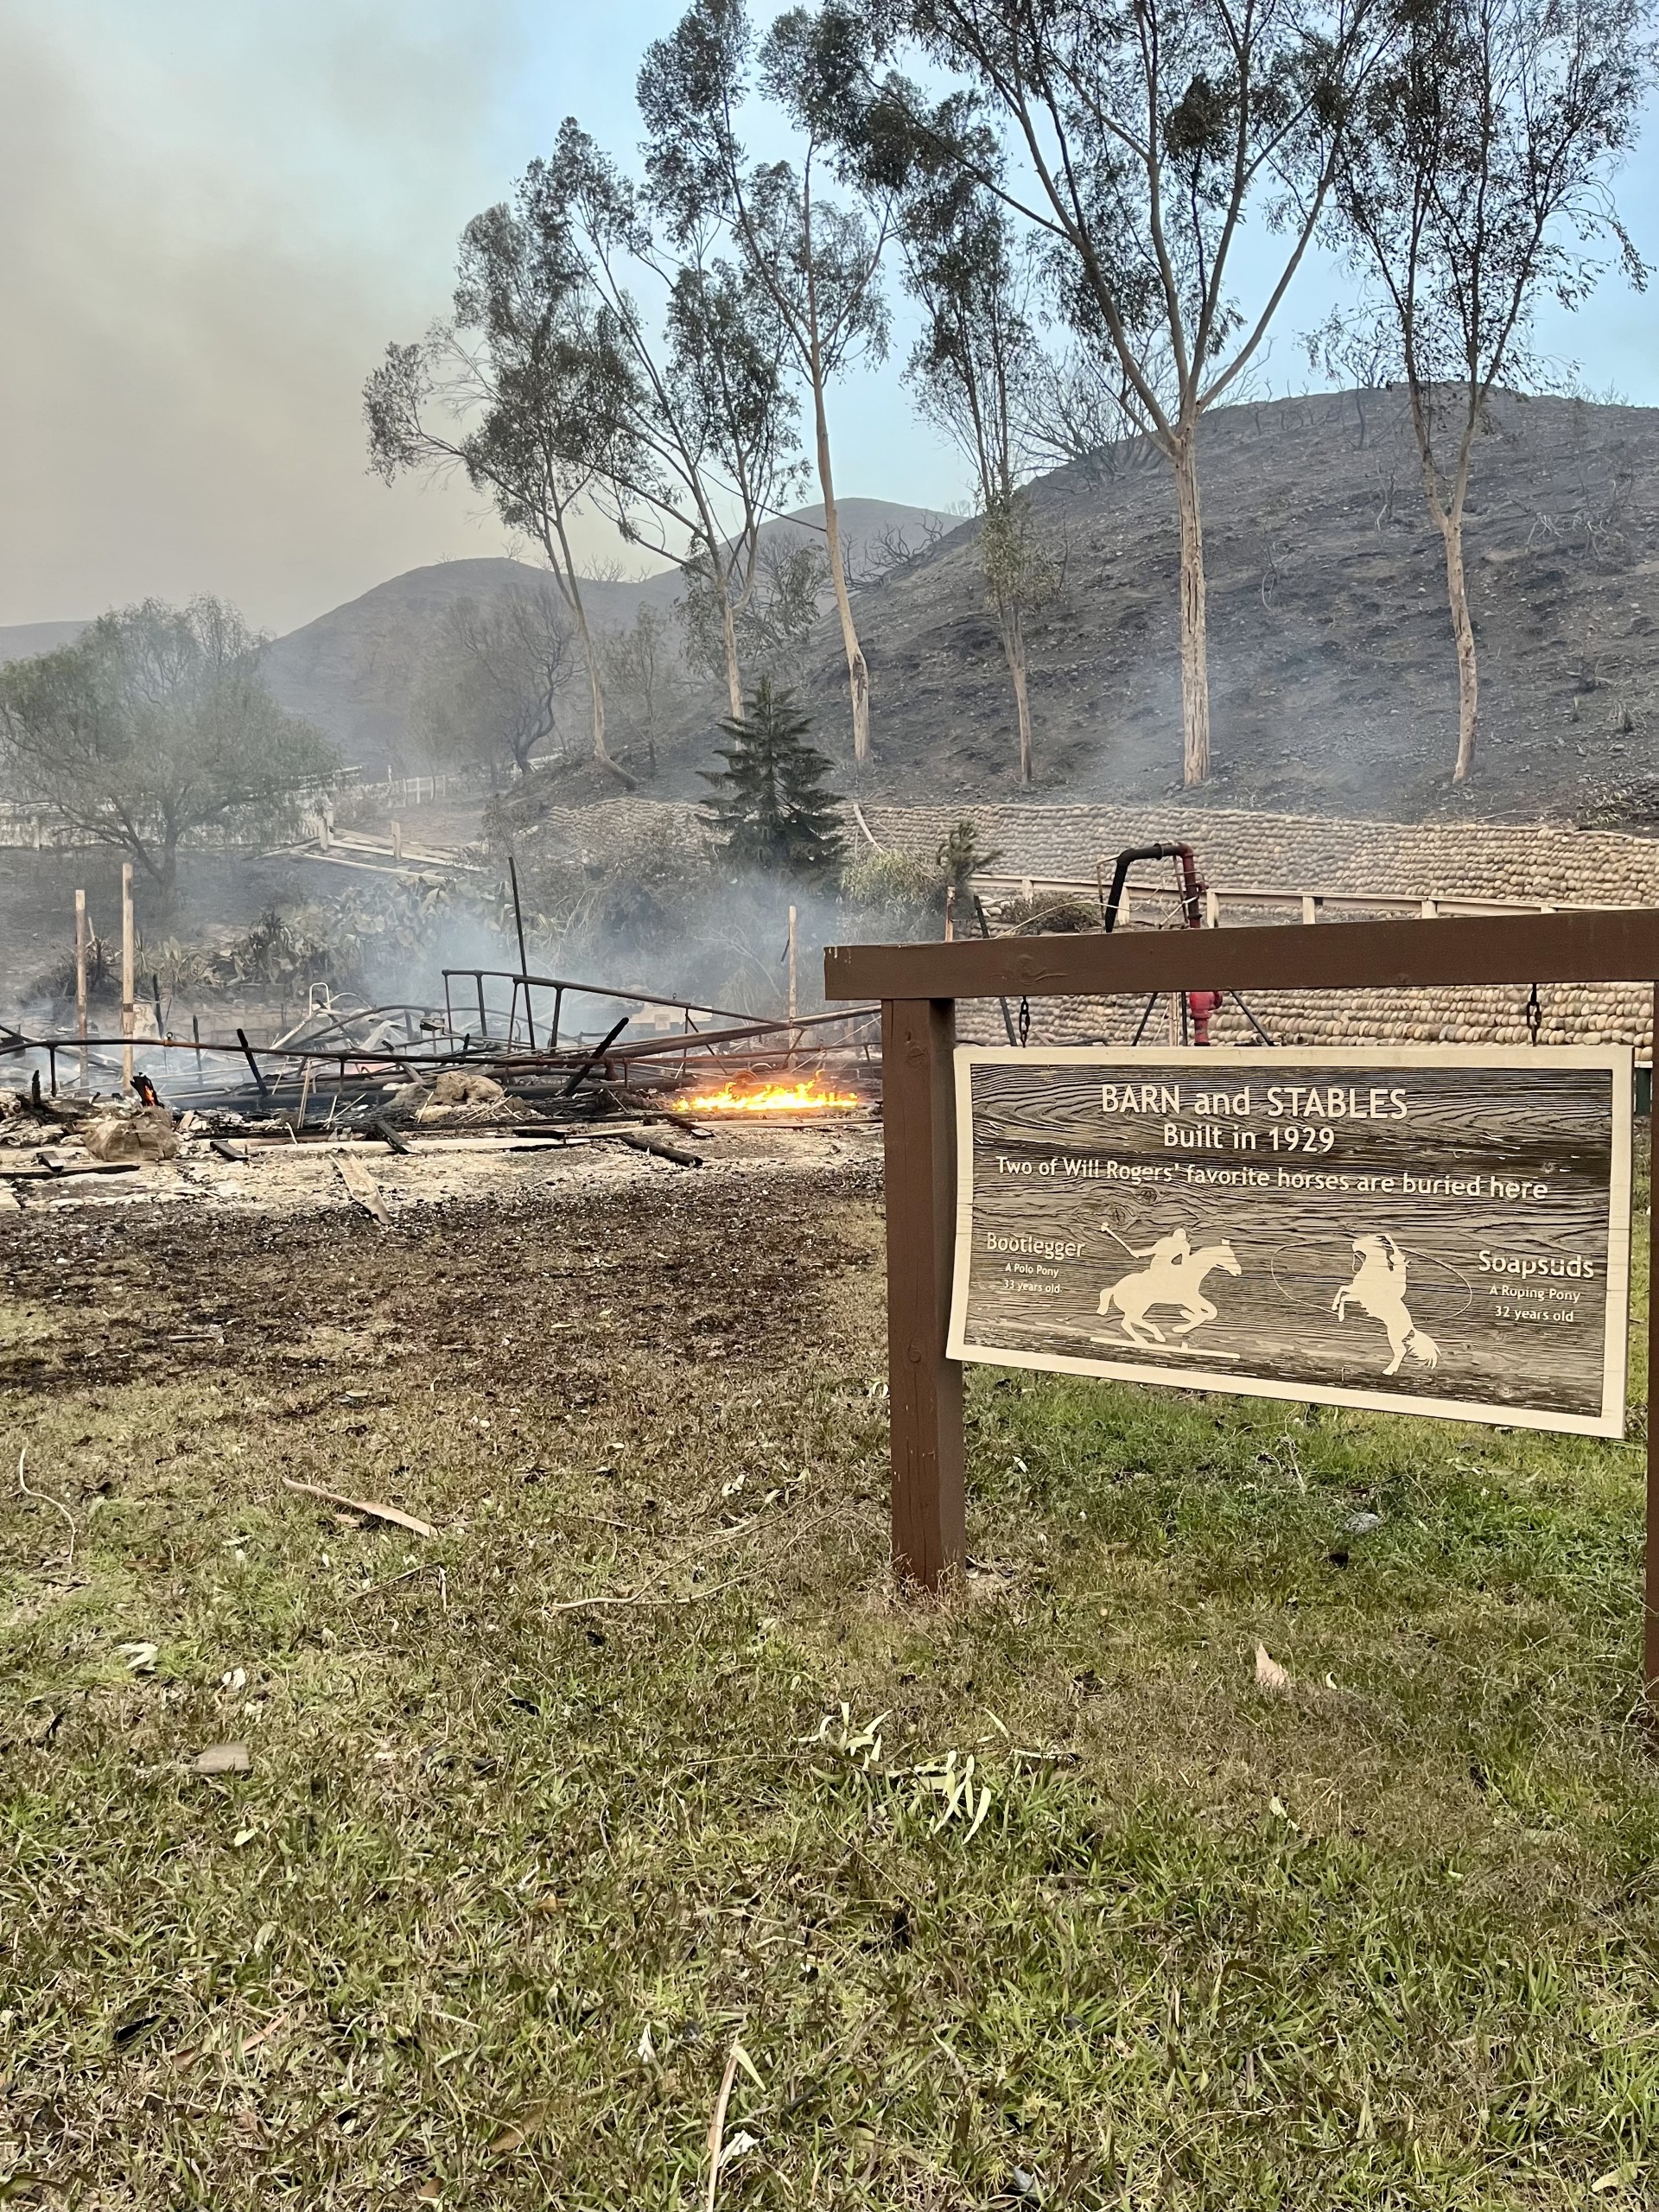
[512, 1866]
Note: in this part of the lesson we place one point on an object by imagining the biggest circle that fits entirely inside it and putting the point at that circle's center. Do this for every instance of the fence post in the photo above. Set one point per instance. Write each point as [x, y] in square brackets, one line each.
[80, 984]
[924, 1388]
[1651, 1591]
[789, 1056]
[128, 977]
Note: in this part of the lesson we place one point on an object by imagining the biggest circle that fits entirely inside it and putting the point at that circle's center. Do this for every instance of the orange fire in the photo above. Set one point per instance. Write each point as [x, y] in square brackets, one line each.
[801, 1097]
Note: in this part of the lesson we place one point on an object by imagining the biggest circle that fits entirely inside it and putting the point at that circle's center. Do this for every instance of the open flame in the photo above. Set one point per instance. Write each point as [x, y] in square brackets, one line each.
[801, 1095]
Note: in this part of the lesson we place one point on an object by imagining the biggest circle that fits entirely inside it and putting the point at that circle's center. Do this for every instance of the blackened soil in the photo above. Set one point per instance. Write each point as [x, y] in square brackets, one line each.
[693, 1270]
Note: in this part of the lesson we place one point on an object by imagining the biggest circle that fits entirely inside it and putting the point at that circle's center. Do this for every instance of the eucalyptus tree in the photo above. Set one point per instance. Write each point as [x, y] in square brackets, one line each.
[702, 446]
[1139, 139]
[645, 673]
[1478, 186]
[522, 389]
[973, 369]
[157, 722]
[816, 258]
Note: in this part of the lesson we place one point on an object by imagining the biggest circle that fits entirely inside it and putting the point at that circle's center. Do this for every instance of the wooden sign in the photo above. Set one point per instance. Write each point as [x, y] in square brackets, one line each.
[1430, 1232]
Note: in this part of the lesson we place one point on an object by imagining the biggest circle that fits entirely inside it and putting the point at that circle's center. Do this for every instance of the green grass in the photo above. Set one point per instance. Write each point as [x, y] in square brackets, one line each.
[505, 1881]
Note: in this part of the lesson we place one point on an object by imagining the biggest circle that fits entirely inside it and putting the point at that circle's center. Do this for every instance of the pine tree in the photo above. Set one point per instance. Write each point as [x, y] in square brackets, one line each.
[770, 803]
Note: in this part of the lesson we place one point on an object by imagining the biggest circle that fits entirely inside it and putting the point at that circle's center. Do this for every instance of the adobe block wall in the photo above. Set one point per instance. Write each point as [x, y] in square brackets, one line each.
[1280, 851]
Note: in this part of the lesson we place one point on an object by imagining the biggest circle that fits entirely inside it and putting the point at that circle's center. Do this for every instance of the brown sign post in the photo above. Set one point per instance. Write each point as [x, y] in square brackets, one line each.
[918, 986]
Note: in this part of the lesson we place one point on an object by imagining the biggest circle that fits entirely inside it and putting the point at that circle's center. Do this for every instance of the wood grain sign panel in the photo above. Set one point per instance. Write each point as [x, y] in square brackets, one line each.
[1435, 1232]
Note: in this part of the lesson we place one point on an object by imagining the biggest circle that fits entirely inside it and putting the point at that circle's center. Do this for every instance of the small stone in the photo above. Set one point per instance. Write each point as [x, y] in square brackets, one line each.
[223, 1758]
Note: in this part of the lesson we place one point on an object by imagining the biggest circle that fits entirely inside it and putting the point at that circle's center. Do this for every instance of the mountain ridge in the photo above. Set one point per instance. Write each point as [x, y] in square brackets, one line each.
[353, 670]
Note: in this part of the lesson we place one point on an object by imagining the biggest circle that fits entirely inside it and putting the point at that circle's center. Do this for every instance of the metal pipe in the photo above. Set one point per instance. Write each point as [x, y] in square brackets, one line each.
[594, 1059]
[523, 962]
[602, 991]
[247, 1050]
[1191, 890]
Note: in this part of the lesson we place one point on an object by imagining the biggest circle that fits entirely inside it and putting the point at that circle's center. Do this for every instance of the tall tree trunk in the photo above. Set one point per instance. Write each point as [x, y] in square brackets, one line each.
[858, 675]
[1463, 632]
[1445, 505]
[728, 643]
[596, 686]
[564, 575]
[1195, 656]
[1013, 652]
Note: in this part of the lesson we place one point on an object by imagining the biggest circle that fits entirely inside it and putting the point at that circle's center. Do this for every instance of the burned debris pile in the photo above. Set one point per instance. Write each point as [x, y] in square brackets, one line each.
[509, 1061]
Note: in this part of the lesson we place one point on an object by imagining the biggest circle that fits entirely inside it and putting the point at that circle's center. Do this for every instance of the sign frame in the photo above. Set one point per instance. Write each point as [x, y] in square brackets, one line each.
[918, 986]
[1229, 1063]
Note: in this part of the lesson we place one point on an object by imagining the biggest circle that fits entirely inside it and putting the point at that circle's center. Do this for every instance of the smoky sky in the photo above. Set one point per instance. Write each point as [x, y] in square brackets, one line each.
[214, 217]
[214, 214]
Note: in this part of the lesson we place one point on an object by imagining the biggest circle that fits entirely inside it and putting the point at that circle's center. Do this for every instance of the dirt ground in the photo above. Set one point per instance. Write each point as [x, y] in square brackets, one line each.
[692, 1254]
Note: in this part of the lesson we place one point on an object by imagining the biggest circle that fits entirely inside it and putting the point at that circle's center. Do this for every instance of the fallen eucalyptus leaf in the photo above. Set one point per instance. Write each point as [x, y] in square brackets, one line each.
[516, 2133]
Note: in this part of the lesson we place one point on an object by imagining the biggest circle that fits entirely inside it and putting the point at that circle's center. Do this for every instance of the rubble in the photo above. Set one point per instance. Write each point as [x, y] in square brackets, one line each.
[146, 1135]
[383, 1107]
[455, 1087]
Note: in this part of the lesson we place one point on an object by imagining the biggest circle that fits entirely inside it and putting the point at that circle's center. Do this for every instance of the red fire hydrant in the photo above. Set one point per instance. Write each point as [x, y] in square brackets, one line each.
[1203, 1006]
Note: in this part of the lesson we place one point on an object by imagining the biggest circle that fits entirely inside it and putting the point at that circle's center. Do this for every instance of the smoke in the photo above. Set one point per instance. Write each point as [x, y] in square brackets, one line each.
[657, 918]
[663, 914]
[216, 217]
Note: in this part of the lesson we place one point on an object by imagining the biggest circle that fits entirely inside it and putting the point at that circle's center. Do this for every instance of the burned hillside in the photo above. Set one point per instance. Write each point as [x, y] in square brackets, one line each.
[1330, 659]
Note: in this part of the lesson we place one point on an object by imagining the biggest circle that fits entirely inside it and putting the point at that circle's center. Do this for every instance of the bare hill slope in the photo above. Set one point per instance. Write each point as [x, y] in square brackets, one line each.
[1333, 681]
[353, 670]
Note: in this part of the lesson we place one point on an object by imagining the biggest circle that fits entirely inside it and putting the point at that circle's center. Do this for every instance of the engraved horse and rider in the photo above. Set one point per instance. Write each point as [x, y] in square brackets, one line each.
[1175, 1276]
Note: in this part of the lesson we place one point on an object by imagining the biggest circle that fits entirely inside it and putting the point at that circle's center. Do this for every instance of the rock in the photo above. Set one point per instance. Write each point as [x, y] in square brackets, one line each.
[149, 1134]
[223, 1758]
[406, 1097]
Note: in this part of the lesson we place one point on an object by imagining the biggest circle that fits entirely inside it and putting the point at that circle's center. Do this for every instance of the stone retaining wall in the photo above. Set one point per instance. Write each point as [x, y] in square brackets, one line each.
[1290, 852]
[1577, 1015]
[1293, 852]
